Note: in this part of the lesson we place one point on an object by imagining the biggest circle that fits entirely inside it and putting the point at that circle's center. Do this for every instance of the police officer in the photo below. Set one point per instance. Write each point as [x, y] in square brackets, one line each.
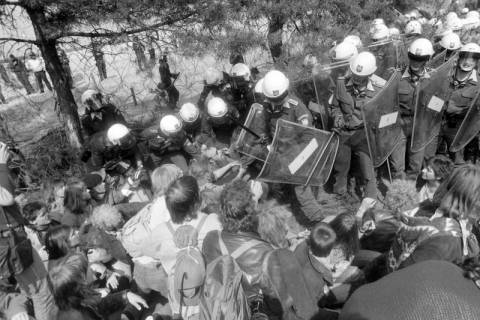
[419, 53]
[384, 50]
[166, 76]
[115, 150]
[192, 120]
[220, 122]
[413, 30]
[217, 83]
[451, 43]
[18, 67]
[348, 122]
[166, 143]
[464, 85]
[99, 116]
[241, 89]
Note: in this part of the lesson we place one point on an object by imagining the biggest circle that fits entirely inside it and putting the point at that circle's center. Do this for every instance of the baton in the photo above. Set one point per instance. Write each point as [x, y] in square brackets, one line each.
[241, 125]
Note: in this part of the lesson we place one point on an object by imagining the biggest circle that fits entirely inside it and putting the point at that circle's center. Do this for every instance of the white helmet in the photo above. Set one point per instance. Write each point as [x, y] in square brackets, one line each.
[170, 125]
[343, 51]
[379, 32]
[217, 108]
[213, 76]
[241, 70]
[421, 48]
[378, 21]
[451, 41]
[275, 84]
[472, 48]
[473, 15]
[451, 16]
[189, 112]
[413, 14]
[364, 64]
[465, 10]
[454, 24]
[309, 61]
[354, 39]
[117, 132]
[413, 27]
[394, 32]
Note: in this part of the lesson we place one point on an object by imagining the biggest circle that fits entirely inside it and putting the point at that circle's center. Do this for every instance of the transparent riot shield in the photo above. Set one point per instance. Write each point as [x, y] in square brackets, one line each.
[470, 126]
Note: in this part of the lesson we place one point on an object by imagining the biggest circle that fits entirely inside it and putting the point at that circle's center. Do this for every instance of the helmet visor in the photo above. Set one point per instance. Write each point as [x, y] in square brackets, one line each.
[415, 57]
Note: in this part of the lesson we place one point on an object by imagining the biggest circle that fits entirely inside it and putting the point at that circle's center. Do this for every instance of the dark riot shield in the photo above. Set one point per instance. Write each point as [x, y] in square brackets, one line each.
[470, 126]
[382, 121]
[438, 60]
[300, 155]
[246, 142]
[386, 53]
[430, 105]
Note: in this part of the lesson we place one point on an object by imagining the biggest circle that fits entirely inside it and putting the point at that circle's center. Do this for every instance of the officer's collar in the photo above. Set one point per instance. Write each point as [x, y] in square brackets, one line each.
[407, 74]
[471, 78]
[369, 84]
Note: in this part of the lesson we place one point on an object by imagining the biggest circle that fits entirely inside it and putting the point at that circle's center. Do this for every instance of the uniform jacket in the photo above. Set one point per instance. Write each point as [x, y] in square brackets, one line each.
[96, 121]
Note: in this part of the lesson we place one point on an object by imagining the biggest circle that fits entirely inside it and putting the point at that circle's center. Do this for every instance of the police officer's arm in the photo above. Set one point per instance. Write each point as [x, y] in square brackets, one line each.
[203, 96]
[6, 186]
[303, 115]
[86, 126]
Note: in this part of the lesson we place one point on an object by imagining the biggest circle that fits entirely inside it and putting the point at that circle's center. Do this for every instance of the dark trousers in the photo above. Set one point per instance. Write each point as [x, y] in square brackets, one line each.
[41, 77]
[353, 144]
[173, 96]
[141, 61]
[23, 78]
[102, 68]
[68, 74]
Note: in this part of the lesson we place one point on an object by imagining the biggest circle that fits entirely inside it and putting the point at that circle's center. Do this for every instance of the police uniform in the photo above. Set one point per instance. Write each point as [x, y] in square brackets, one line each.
[159, 149]
[218, 132]
[348, 122]
[223, 90]
[406, 98]
[116, 159]
[386, 57]
[458, 105]
[242, 96]
[100, 120]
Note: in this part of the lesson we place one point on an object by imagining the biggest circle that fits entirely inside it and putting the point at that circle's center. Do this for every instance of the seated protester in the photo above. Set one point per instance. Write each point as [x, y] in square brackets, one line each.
[60, 242]
[426, 290]
[437, 169]
[107, 218]
[183, 202]
[75, 300]
[78, 204]
[108, 261]
[148, 273]
[36, 214]
[277, 225]
[273, 272]
[447, 235]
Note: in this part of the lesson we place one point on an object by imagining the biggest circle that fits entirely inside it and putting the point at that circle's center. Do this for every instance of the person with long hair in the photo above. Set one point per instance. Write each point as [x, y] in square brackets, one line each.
[75, 300]
[60, 241]
[77, 203]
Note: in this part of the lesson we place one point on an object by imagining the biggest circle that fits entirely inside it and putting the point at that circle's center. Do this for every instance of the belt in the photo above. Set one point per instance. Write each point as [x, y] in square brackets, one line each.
[6, 233]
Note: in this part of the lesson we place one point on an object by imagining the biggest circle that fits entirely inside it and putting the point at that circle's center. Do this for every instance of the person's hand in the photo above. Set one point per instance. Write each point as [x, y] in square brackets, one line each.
[136, 301]
[21, 316]
[4, 153]
[112, 281]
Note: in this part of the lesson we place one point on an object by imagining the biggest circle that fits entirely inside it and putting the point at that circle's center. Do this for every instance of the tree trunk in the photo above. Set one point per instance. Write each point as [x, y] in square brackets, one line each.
[67, 107]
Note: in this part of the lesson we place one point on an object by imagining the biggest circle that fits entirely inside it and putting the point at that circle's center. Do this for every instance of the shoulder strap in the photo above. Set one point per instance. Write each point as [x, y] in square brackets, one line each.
[244, 248]
[170, 227]
[201, 223]
[221, 244]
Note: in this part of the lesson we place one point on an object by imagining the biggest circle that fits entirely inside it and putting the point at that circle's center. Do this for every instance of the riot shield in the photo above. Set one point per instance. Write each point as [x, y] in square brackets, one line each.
[437, 60]
[247, 142]
[430, 104]
[387, 57]
[382, 121]
[470, 126]
[300, 155]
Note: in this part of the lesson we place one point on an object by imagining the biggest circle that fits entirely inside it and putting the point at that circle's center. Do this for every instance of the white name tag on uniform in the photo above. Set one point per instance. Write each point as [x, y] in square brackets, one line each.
[388, 119]
[306, 153]
[435, 104]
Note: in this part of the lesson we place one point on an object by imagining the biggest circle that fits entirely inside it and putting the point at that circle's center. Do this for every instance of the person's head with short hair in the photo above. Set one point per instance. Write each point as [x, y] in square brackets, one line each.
[437, 168]
[163, 176]
[183, 199]
[107, 217]
[321, 240]
[76, 197]
[68, 280]
[273, 223]
[237, 208]
[59, 241]
[36, 213]
[459, 194]
[200, 169]
[345, 227]
[210, 200]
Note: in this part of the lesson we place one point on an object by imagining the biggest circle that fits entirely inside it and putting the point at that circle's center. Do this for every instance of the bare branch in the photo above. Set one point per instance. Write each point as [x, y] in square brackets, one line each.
[19, 40]
[111, 34]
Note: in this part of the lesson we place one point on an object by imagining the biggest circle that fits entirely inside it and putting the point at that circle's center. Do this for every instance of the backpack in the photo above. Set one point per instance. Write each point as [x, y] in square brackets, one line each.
[223, 296]
[188, 277]
[135, 231]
